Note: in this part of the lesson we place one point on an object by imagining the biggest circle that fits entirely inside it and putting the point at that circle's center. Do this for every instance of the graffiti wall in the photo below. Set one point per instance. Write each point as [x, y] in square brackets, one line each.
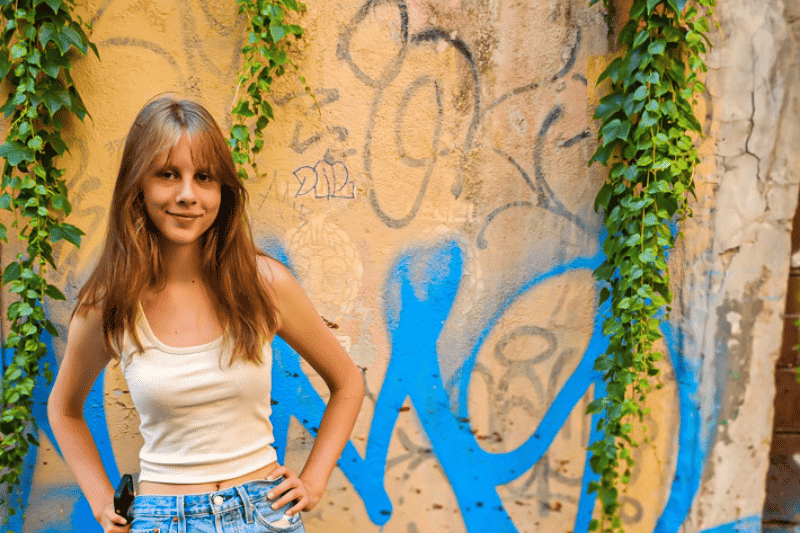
[434, 201]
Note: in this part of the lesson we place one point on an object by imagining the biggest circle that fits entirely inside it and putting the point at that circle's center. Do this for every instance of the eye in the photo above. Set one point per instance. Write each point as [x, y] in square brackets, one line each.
[167, 174]
[203, 177]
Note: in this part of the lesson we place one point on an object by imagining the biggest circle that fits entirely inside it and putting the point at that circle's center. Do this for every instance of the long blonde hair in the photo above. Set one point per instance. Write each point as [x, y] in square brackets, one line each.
[131, 261]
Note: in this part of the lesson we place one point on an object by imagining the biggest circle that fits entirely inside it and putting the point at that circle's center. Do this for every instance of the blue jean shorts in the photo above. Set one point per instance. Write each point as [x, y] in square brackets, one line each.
[241, 509]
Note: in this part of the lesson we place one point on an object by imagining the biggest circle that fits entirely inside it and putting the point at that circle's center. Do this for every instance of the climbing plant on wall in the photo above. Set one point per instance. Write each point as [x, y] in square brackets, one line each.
[647, 128]
[39, 40]
[266, 58]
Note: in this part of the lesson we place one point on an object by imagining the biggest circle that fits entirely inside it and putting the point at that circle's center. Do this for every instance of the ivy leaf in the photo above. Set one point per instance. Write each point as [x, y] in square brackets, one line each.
[602, 154]
[3, 233]
[5, 65]
[603, 196]
[15, 153]
[612, 71]
[609, 105]
[648, 255]
[54, 62]
[597, 406]
[669, 108]
[616, 129]
[277, 32]
[47, 34]
[66, 38]
[35, 143]
[651, 4]
[67, 232]
[51, 329]
[6, 200]
[657, 47]
[57, 144]
[295, 30]
[11, 272]
[650, 220]
[604, 271]
[243, 109]
[35, 58]
[55, 98]
[53, 292]
[240, 133]
[648, 119]
[54, 5]
[61, 203]
[641, 37]
[18, 51]
[604, 295]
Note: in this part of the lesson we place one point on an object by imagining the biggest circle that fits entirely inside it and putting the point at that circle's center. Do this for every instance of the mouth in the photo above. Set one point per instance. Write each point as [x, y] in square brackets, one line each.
[183, 216]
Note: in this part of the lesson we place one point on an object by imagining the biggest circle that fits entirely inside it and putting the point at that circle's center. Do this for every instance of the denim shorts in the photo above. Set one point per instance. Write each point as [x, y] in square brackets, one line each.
[241, 509]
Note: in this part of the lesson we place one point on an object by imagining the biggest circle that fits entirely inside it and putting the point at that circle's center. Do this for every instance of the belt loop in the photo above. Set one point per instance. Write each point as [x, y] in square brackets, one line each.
[181, 515]
[248, 506]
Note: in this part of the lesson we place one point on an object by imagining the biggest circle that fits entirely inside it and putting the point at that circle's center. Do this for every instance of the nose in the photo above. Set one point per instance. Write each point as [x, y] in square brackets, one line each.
[186, 193]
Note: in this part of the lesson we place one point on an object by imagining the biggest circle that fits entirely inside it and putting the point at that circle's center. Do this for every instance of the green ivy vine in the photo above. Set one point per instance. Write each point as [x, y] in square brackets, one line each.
[36, 55]
[266, 58]
[647, 126]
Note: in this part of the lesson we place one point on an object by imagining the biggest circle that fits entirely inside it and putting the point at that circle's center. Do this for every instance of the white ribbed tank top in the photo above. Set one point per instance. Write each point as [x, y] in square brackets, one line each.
[202, 419]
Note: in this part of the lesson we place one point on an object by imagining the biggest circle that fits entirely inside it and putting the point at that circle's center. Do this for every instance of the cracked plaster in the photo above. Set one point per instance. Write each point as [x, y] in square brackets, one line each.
[733, 290]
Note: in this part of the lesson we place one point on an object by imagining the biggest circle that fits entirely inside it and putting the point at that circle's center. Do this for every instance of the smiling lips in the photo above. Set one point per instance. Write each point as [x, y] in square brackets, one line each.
[186, 216]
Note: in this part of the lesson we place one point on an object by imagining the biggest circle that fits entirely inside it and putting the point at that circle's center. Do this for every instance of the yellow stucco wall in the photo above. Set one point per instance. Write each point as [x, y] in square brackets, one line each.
[439, 182]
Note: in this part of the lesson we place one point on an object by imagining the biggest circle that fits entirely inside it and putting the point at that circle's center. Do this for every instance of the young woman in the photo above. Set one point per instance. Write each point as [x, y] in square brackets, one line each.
[188, 305]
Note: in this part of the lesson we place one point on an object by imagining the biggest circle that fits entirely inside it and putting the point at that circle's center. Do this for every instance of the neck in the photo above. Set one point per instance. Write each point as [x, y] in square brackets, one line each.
[181, 264]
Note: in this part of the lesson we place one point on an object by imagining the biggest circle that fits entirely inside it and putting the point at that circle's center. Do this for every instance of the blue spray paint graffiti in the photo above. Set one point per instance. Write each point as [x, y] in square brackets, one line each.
[418, 296]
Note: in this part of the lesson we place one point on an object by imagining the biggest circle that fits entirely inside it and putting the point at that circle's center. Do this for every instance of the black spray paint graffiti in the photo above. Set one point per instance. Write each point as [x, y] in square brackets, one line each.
[430, 84]
[545, 198]
[381, 82]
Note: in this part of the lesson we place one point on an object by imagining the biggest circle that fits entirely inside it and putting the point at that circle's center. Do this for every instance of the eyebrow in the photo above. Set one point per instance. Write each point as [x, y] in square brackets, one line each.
[170, 166]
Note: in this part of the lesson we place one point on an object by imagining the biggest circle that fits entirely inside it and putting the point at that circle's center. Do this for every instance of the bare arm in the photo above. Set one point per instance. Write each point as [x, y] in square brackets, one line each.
[84, 359]
[302, 327]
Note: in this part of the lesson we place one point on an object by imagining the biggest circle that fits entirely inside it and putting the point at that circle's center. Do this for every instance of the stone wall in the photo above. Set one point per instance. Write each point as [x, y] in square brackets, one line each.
[435, 203]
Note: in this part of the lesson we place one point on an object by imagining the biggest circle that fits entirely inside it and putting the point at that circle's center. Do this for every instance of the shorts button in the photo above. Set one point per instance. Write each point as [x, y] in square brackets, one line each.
[174, 518]
[218, 499]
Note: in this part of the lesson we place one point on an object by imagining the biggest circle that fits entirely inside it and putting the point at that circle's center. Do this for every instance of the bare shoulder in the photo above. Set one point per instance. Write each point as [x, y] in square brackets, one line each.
[274, 273]
[86, 330]
[89, 319]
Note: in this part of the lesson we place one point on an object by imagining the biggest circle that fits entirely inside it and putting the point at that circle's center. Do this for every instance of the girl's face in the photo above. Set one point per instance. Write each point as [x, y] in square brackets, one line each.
[181, 200]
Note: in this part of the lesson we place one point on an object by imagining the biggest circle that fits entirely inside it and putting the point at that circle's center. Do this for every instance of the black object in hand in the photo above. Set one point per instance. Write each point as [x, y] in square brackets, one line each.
[123, 498]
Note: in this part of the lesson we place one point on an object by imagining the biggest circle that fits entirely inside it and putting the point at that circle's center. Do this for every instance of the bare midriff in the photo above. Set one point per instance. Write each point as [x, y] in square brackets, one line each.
[177, 489]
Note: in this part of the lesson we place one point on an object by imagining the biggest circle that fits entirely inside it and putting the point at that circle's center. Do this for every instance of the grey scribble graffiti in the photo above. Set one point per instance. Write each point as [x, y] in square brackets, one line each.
[339, 133]
[194, 40]
[537, 485]
[325, 180]
[500, 404]
[415, 454]
[151, 46]
[194, 46]
[573, 55]
[99, 13]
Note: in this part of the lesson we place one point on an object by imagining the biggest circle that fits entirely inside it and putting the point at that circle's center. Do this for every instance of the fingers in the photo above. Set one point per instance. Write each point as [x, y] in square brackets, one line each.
[112, 522]
[291, 489]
